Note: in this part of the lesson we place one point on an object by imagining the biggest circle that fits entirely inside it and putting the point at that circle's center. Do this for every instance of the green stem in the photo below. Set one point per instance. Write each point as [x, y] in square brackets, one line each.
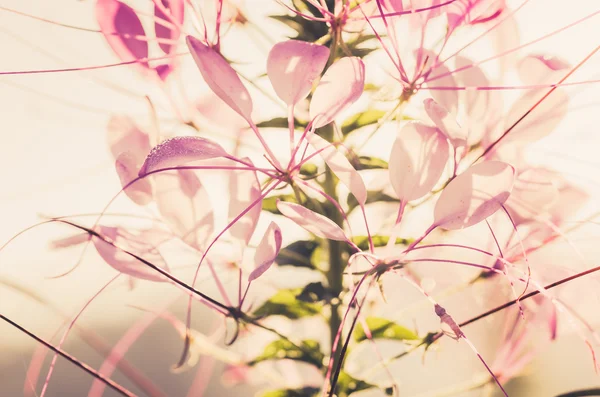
[335, 252]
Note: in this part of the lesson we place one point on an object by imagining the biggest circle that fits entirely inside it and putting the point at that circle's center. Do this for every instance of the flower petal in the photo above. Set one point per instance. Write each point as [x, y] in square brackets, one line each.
[341, 86]
[418, 159]
[119, 24]
[221, 78]
[267, 251]
[180, 150]
[245, 190]
[341, 167]
[474, 195]
[315, 223]
[143, 243]
[185, 205]
[176, 8]
[446, 123]
[292, 67]
[124, 136]
[140, 192]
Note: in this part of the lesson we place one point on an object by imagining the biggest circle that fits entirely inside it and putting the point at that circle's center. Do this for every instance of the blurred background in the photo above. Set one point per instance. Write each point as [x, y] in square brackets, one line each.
[55, 161]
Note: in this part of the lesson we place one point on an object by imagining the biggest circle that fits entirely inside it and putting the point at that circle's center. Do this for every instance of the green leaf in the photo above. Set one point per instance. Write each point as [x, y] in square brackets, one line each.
[284, 303]
[314, 292]
[280, 122]
[310, 352]
[378, 241]
[304, 392]
[370, 163]
[297, 254]
[383, 328]
[270, 203]
[372, 197]
[309, 170]
[361, 120]
[347, 385]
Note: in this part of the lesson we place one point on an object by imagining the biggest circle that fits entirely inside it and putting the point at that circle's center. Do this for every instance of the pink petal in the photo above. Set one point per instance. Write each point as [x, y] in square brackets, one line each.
[483, 109]
[535, 69]
[292, 67]
[533, 193]
[141, 243]
[176, 8]
[446, 123]
[341, 167]
[221, 78]
[315, 223]
[180, 150]
[140, 192]
[474, 195]
[124, 136]
[184, 204]
[418, 159]
[339, 88]
[267, 251]
[245, 190]
[447, 98]
[116, 17]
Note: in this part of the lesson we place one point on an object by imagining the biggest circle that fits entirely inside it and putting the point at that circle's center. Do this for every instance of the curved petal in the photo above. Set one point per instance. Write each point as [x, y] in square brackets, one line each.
[474, 195]
[245, 190]
[293, 66]
[139, 192]
[340, 87]
[180, 150]
[176, 9]
[116, 17]
[341, 167]
[315, 223]
[143, 243]
[221, 78]
[184, 204]
[419, 157]
[446, 123]
[124, 136]
[267, 251]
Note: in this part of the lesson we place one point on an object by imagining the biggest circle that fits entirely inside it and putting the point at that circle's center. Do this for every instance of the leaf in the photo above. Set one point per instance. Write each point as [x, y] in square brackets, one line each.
[372, 197]
[120, 25]
[418, 159]
[474, 195]
[282, 349]
[378, 241]
[221, 78]
[244, 189]
[140, 192]
[340, 166]
[339, 88]
[181, 150]
[279, 122]
[303, 392]
[382, 328]
[270, 203]
[267, 251]
[315, 223]
[176, 8]
[314, 292]
[371, 163]
[363, 119]
[297, 254]
[184, 203]
[284, 303]
[293, 66]
[347, 385]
